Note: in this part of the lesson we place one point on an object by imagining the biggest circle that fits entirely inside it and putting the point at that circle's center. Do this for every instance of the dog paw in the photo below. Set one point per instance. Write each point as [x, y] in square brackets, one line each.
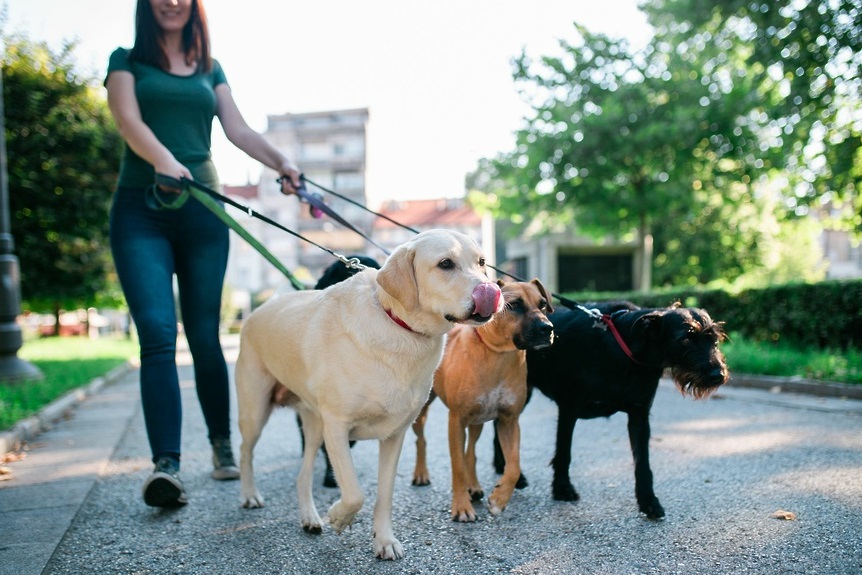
[388, 548]
[565, 493]
[340, 516]
[420, 480]
[499, 499]
[312, 524]
[652, 509]
[253, 501]
[313, 529]
[463, 512]
[522, 482]
[476, 493]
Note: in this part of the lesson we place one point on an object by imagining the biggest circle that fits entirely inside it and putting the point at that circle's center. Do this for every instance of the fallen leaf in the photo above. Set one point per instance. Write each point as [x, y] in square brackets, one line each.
[12, 456]
[784, 515]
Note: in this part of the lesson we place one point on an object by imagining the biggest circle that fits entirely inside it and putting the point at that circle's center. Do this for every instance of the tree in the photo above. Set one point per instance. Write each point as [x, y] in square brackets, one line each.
[625, 144]
[63, 155]
[804, 60]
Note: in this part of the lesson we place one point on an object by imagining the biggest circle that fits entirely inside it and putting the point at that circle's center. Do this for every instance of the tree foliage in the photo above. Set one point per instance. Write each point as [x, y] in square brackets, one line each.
[63, 154]
[691, 140]
[633, 144]
[803, 59]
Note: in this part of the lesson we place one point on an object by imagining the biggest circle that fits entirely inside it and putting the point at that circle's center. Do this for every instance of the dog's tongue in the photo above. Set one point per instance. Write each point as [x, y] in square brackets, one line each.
[486, 299]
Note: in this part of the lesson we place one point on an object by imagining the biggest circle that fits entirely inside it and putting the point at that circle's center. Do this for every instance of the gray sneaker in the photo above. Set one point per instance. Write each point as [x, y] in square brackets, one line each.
[163, 487]
[224, 466]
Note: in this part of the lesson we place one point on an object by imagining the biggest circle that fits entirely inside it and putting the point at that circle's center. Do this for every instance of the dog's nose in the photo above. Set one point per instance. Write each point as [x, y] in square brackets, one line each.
[718, 375]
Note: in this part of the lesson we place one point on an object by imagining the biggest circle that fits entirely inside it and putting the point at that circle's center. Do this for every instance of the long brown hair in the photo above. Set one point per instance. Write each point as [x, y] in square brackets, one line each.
[148, 35]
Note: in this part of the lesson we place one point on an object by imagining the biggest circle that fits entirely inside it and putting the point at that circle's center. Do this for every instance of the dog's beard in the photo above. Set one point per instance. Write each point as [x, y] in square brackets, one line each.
[697, 385]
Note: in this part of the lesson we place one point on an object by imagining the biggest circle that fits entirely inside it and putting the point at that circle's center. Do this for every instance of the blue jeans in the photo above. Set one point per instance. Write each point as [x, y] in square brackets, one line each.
[150, 247]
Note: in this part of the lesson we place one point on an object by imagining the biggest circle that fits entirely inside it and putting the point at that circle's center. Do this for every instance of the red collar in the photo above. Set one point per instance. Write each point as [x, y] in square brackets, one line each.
[399, 321]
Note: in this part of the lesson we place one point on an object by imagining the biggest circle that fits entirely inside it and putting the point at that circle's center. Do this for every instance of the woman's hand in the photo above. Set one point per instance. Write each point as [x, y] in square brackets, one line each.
[289, 177]
[171, 167]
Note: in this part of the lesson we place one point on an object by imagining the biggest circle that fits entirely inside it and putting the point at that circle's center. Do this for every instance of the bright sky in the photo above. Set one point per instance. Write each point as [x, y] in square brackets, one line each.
[435, 75]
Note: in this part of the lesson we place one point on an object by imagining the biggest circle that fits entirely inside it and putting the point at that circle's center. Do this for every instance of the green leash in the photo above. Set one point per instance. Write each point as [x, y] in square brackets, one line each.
[156, 199]
[222, 214]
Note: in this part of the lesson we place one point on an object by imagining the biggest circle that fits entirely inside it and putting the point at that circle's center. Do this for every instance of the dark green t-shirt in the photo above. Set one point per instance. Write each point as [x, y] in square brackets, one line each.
[179, 110]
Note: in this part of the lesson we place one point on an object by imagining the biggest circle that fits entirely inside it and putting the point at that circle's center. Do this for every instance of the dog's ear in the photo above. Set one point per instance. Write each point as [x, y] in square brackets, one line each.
[544, 292]
[651, 322]
[397, 277]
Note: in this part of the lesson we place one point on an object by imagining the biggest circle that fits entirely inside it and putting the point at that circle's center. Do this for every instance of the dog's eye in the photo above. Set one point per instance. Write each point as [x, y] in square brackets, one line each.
[446, 264]
[543, 305]
[481, 262]
[515, 305]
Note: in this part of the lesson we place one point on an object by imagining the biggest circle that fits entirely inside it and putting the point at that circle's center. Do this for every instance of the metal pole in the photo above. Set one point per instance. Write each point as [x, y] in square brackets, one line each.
[12, 368]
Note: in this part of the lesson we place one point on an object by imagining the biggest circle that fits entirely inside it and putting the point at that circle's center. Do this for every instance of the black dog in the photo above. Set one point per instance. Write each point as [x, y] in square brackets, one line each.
[335, 273]
[591, 372]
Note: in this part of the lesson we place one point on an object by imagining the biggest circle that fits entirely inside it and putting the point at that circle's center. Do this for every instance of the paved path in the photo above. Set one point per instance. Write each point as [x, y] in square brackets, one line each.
[722, 468]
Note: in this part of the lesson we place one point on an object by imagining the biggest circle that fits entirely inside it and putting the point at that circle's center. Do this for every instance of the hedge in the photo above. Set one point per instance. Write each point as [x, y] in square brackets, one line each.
[825, 315]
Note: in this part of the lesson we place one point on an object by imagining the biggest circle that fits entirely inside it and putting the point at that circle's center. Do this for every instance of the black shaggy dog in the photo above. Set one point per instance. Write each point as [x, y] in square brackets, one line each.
[335, 273]
[592, 372]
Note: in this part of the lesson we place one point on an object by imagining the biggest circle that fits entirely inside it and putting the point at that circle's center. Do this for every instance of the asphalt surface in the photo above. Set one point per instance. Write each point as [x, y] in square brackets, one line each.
[723, 467]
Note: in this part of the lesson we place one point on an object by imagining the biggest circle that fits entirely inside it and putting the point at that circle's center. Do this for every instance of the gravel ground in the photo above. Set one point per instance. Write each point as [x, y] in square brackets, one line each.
[722, 468]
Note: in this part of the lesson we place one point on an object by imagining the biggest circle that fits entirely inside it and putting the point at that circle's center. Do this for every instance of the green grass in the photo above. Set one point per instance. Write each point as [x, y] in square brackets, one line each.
[67, 363]
[756, 358]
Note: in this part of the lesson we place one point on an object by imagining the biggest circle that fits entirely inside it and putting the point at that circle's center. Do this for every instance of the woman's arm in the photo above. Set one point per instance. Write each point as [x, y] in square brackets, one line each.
[251, 142]
[127, 115]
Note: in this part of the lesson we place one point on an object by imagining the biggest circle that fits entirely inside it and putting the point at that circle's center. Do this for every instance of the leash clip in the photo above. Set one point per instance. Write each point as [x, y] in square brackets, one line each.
[352, 263]
[593, 312]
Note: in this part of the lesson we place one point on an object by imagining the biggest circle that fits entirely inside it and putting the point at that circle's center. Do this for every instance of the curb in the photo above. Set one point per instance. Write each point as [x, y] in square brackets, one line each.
[27, 429]
[797, 385]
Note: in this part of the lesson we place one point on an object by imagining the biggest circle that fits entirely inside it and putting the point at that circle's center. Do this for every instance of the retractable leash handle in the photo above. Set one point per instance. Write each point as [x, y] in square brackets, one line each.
[158, 199]
[316, 201]
[313, 199]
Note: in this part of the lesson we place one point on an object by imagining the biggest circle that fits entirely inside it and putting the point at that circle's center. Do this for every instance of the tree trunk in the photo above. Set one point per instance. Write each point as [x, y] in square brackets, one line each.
[645, 275]
[56, 319]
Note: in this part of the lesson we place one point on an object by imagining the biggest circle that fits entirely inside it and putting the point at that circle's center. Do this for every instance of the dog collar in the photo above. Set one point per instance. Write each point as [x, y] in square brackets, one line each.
[399, 321]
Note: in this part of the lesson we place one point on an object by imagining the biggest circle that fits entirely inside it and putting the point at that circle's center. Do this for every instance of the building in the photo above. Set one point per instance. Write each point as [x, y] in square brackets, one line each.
[331, 149]
[566, 263]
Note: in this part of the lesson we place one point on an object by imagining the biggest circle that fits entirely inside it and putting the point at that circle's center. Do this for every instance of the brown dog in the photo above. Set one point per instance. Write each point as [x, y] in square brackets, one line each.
[483, 376]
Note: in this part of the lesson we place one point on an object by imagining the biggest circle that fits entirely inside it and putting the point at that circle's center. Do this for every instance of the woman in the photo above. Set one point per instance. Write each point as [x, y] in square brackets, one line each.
[164, 94]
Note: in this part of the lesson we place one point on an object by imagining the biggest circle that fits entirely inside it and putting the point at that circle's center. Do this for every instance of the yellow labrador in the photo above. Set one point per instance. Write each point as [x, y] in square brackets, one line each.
[356, 361]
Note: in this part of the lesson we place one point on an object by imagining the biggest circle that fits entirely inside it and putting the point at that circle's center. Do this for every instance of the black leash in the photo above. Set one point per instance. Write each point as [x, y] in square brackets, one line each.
[188, 186]
[601, 320]
[571, 304]
[319, 207]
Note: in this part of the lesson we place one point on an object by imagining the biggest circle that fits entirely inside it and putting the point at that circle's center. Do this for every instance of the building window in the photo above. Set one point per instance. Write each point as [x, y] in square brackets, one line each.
[316, 151]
